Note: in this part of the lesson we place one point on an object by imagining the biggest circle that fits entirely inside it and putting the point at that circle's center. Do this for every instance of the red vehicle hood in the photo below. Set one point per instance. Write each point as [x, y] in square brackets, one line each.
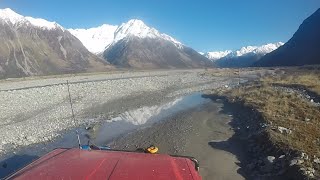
[114, 165]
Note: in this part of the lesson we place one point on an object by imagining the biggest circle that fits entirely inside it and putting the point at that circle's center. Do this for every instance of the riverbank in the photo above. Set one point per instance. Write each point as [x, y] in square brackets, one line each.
[281, 116]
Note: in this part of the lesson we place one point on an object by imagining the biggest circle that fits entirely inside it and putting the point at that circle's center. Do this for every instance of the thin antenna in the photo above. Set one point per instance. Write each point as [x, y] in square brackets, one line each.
[239, 80]
[73, 117]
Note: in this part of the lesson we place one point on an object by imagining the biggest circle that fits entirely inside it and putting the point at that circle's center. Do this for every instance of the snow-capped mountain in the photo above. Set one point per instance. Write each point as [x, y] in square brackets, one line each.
[9, 16]
[34, 46]
[242, 57]
[244, 51]
[100, 38]
[265, 49]
[95, 39]
[255, 50]
[138, 28]
[216, 55]
[139, 46]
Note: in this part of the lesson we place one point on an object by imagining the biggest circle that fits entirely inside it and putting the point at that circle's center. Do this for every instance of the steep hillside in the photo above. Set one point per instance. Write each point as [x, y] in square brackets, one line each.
[31, 46]
[302, 49]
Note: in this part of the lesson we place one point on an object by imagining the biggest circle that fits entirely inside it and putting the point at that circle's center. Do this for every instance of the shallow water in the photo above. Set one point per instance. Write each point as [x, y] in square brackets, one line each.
[102, 133]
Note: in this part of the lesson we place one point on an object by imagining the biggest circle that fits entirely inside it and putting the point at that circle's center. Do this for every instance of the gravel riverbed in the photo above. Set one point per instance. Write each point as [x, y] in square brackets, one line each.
[38, 110]
[115, 108]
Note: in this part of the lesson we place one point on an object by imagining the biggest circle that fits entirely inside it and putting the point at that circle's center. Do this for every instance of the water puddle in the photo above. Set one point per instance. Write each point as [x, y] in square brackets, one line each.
[103, 132]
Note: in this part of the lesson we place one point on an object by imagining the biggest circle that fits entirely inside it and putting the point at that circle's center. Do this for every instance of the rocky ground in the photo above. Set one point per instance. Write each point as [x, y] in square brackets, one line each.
[36, 110]
[278, 119]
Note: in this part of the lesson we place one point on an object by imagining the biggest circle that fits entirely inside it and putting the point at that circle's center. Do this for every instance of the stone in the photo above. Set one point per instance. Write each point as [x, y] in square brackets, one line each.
[284, 130]
[282, 156]
[300, 161]
[307, 119]
[311, 170]
[316, 160]
[271, 159]
[304, 156]
[296, 161]
[88, 127]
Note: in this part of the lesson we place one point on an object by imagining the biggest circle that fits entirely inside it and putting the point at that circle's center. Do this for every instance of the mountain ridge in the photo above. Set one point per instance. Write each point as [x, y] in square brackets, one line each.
[243, 51]
[9, 16]
[302, 49]
[115, 33]
[33, 46]
[243, 57]
[137, 45]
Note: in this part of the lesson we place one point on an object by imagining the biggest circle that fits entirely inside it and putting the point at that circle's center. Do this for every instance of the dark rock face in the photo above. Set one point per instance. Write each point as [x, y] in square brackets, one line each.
[26, 50]
[152, 53]
[302, 49]
[242, 61]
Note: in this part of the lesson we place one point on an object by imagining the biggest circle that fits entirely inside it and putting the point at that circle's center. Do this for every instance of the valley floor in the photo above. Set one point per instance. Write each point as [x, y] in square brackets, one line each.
[36, 111]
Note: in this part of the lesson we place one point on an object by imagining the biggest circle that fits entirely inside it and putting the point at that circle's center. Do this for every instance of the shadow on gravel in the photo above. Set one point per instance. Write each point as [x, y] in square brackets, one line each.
[237, 144]
[14, 163]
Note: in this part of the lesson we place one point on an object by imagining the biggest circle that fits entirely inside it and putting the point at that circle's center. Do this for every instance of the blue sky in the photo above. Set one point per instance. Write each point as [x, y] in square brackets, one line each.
[202, 25]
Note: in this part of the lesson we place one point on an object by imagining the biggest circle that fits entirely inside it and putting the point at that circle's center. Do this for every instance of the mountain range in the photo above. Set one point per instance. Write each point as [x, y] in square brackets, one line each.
[135, 45]
[31, 46]
[243, 57]
[34, 46]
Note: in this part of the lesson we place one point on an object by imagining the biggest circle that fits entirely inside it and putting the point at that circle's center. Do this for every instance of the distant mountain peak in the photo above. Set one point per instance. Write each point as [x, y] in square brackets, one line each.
[216, 54]
[267, 48]
[100, 38]
[244, 51]
[9, 16]
[137, 45]
[138, 28]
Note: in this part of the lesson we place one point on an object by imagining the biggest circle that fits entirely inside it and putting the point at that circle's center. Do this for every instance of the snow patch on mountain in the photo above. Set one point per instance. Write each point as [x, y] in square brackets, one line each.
[95, 39]
[100, 38]
[9, 16]
[216, 55]
[244, 51]
[43, 23]
[267, 48]
[138, 28]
